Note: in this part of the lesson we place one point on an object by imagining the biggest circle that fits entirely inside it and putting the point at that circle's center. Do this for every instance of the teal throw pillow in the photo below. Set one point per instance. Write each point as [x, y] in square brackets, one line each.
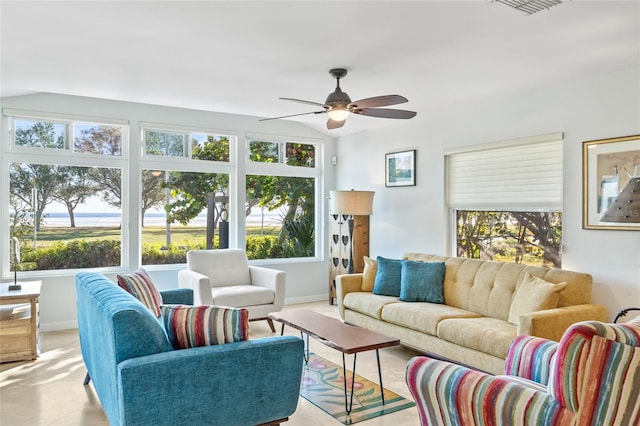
[422, 281]
[387, 281]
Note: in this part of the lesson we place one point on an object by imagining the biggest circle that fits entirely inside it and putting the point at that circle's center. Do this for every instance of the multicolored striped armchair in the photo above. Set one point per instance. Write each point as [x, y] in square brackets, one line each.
[591, 377]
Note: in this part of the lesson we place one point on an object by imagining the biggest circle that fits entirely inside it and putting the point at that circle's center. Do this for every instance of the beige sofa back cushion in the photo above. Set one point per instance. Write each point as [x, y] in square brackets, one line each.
[487, 287]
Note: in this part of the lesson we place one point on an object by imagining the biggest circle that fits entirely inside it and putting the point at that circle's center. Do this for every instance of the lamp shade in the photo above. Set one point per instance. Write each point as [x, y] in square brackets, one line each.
[356, 203]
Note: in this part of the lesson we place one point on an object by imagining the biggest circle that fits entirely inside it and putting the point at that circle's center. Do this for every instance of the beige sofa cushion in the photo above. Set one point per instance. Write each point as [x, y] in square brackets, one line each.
[489, 335]
[422, 316]
[369, 273]
[368, 303]
[534, 294]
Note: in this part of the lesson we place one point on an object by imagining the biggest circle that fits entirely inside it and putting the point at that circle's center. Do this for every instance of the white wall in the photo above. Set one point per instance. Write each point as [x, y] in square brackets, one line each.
[415, 219]
[306, 280]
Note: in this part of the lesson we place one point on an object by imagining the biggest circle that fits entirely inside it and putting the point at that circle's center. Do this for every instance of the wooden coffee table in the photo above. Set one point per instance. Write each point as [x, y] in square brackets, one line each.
[348, 339]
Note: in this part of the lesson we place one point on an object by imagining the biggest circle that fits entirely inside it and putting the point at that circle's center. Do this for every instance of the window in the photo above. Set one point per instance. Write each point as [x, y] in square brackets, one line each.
[506, 200]
[65, 211]
[32, 133]
[184, 203]
[76, 200]
[290, 153]
[100, 139]
[281, 222]
[175, 143]
[281, 199]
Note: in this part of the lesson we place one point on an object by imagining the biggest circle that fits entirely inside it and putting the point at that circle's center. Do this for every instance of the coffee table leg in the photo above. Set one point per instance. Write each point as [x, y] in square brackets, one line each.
[348, 405]
[380, 376]
[305, 337]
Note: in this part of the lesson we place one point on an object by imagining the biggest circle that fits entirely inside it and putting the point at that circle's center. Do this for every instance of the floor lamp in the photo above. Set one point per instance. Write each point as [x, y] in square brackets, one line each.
[352, 203]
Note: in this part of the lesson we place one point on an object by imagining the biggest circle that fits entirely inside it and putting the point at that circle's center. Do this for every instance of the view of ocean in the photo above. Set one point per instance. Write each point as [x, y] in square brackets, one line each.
[59, 219]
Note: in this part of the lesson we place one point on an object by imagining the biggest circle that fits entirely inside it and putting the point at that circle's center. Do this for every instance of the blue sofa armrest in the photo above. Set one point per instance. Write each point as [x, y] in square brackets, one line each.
[177, 296]
[242, 383]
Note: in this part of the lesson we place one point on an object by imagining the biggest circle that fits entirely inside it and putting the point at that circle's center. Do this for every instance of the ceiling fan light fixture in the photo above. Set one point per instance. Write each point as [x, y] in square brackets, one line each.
[338, 114]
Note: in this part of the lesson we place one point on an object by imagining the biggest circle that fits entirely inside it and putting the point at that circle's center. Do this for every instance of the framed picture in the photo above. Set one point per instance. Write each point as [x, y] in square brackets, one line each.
[400, 168]
[611, 183]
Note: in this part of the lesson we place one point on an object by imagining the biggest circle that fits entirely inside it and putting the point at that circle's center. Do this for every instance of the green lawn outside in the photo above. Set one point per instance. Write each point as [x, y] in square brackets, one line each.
[150, 235]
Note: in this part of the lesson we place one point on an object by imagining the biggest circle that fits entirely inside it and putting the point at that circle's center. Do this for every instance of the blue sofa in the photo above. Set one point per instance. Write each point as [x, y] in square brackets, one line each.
[141, 380]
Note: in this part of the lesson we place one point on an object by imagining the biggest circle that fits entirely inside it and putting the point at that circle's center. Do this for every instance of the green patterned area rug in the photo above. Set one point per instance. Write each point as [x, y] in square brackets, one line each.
[323, 386]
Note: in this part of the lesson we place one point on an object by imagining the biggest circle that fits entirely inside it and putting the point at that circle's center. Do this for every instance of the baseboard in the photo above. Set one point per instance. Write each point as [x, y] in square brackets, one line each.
[67, 325]
[306, 299]
[58, 326]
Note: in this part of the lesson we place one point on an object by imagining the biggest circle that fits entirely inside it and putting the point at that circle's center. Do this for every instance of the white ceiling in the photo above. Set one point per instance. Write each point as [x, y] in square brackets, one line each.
[240, 57]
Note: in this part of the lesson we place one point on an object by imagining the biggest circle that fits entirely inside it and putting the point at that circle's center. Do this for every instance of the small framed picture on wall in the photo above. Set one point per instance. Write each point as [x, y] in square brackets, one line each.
[400, 168]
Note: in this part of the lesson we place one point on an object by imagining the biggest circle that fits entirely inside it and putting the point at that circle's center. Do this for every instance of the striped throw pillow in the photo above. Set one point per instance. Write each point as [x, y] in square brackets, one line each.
[191, 326]
[141, 286]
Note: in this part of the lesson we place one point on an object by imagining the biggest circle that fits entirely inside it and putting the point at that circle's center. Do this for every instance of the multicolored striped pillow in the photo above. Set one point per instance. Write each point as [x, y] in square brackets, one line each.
[191, 326]
[141, 286]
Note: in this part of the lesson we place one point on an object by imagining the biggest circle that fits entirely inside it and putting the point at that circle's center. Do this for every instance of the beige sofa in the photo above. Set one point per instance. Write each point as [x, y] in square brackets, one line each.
[472, 327]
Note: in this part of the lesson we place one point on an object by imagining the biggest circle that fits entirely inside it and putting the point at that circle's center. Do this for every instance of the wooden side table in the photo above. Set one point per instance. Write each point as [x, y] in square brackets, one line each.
[19, 322]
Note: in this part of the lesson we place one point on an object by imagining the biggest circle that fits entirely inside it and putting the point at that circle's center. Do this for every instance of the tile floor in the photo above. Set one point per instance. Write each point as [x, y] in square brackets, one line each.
[49, 391]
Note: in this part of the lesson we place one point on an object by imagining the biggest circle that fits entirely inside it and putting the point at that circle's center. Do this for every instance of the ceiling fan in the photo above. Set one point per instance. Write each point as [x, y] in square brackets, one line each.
[338, 105]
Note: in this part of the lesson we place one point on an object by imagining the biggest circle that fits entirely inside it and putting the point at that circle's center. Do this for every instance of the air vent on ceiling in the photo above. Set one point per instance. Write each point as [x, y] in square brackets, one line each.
[530, 6]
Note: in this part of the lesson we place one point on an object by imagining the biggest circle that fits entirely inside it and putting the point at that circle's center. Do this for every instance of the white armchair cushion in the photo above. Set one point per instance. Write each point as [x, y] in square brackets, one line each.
[228, 267]
[242, 296]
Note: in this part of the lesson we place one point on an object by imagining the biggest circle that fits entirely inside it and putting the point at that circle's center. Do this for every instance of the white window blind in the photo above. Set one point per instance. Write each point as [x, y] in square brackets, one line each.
[517, 174]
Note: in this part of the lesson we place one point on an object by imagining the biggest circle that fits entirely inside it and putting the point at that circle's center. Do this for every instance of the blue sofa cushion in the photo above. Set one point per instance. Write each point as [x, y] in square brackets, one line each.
[141, 286]
[193, 326]
[387, 281]
[422, 281]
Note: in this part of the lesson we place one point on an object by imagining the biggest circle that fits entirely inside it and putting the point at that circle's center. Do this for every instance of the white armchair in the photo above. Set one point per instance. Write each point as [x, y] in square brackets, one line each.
[224, 277]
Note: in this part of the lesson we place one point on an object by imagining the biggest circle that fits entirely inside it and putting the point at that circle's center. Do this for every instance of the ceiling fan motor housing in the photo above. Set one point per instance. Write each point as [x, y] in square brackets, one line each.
[338, 100]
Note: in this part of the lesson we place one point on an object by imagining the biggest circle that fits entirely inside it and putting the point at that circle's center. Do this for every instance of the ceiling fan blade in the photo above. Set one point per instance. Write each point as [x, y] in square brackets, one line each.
[333, 124]
[292, 115]
[303, 102]
[378, 101]
[385, 113]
